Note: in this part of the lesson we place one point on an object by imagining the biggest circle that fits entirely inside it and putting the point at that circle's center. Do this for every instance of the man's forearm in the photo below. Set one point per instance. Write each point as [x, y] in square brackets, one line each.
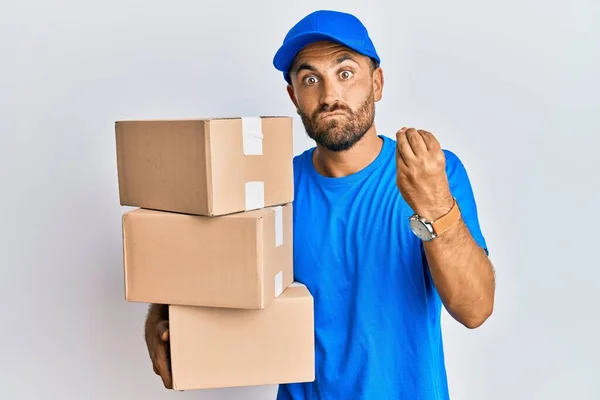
[463, 275]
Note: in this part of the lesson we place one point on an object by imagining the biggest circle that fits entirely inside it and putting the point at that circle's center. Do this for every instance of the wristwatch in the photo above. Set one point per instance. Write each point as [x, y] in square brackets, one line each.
[429, 230]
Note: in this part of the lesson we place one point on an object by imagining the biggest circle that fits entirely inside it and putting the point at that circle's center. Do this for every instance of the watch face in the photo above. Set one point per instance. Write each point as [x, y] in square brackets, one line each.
[420, 229]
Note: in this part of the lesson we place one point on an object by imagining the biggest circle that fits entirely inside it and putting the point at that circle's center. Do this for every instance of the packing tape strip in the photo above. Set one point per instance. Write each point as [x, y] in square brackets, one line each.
[279, 284]
[252, 136]
[297, 284]
[278, 226]
[255, 195]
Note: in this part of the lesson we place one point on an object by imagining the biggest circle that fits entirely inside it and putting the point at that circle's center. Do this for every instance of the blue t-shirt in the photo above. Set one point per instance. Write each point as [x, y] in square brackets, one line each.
[377, 313]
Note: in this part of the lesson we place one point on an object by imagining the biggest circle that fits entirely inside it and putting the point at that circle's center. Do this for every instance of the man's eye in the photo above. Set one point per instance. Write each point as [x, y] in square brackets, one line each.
[310, 80]
[346, 74]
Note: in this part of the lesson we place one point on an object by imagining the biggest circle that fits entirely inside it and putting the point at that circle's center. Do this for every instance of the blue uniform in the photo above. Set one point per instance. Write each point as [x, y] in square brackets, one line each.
[377, 313]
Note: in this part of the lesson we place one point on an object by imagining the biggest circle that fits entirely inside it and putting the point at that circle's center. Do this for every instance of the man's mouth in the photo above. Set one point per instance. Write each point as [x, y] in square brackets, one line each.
[331, 114]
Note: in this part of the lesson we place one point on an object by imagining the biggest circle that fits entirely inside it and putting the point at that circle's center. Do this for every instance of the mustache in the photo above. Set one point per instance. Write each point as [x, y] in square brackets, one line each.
[331, 108]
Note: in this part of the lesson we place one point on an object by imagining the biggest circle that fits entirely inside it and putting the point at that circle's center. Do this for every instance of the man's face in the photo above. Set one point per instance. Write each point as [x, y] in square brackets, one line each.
[335, 90]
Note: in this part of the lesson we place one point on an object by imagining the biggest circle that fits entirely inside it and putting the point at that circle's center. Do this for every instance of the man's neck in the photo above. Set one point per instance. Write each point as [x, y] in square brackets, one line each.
[339, 164]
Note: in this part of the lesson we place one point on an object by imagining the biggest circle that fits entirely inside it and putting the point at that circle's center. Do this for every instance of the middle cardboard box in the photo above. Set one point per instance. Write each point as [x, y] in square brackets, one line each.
[242, 260]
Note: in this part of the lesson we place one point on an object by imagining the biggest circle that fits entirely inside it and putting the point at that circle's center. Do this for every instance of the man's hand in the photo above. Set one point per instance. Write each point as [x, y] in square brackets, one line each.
[421, 173]
[157, 340]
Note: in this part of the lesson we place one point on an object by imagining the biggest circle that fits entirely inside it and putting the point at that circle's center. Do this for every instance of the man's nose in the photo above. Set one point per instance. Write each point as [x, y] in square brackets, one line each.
[329, 92]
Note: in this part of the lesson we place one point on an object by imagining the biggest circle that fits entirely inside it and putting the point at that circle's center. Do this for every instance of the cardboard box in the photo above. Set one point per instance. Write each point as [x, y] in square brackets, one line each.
[211, 166]
[241, 260]
[217, 348]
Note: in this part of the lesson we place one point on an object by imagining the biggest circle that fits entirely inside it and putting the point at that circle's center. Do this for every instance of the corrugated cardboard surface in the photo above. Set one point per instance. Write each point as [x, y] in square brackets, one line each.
[240, 260]
[202, 166]
[216, 348]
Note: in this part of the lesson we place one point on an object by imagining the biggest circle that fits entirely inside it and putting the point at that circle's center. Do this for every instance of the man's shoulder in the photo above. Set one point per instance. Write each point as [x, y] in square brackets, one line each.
[303, 154]
[455, 167]
[300, 159]
[451, 157]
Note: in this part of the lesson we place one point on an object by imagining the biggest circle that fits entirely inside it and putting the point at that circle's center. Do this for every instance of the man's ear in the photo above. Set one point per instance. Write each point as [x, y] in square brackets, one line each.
[378, 83]
[290, 90]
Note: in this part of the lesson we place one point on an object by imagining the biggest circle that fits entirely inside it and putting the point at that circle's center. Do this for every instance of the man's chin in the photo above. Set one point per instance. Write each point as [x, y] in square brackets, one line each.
[333, 134]
[335, 145]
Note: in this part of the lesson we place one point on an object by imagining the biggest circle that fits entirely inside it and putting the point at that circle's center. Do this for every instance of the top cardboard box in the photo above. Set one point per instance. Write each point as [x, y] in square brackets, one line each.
[206, 166]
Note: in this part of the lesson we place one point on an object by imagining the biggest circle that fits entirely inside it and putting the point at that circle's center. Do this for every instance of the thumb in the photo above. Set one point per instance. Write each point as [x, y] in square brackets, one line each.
[162, 330]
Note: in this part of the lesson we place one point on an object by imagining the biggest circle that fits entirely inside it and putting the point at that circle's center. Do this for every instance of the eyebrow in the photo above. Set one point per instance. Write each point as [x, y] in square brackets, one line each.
[305, 66]
[343, 58]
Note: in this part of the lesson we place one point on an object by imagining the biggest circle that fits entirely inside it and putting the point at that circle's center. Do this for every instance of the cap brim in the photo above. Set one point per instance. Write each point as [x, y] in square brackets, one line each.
[285, 55]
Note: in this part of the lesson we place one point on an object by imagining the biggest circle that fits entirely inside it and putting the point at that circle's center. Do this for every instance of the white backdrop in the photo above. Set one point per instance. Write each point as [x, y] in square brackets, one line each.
[512, 88]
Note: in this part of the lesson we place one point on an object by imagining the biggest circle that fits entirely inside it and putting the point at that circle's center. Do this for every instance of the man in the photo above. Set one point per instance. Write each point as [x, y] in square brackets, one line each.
[385, 231]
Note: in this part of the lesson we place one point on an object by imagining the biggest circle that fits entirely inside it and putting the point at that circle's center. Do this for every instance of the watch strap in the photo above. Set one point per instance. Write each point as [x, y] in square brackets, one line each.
[443, 223]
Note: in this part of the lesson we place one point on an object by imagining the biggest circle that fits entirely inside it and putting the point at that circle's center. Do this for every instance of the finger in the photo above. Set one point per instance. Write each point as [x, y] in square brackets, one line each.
[400, 163]
[163, 363]
[399, 159]
[429, 140]
[404, 151]
[162, 359]
[167, 380]
[162, 330]
[435, 149]
[416, 142]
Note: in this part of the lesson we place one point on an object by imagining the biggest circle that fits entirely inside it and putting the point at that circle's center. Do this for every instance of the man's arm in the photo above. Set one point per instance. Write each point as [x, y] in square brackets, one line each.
[463, 275]
[457, 259]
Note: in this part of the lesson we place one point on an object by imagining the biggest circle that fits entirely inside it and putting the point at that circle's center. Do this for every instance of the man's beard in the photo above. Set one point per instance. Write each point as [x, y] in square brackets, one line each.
[340, 134]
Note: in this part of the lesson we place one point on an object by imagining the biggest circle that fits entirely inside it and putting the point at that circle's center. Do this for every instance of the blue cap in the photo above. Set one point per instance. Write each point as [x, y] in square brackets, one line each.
[321, 25]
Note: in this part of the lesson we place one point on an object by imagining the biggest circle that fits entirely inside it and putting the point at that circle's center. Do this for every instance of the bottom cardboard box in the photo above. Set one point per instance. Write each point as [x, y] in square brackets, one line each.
[225, 347]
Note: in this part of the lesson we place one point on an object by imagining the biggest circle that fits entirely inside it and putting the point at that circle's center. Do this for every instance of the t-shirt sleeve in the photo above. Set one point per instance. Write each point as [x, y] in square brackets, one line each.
[461, 189]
